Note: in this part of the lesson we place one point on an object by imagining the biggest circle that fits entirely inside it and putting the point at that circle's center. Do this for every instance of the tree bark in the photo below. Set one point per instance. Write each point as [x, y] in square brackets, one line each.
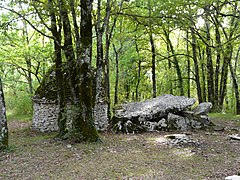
[153, 51]
[56, 33]
[76, 30]
[101, 101]
[100, 64]
[210, 72]
[108, 37]
[85, 117]
[224, 75]
[235, 86]
[196, 68]
[216, 107]
[3, 121]
[117, 76]
[175, 62]
[203, 72]
[227, 55]
[169, 75]
[139, 71]
[69, 52]
[188, 68]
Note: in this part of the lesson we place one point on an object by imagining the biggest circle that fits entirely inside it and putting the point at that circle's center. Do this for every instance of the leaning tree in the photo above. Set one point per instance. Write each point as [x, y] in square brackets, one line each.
[3, 121]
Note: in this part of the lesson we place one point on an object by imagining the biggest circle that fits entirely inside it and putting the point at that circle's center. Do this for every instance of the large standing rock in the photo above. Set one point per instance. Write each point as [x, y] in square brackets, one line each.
[161, 113]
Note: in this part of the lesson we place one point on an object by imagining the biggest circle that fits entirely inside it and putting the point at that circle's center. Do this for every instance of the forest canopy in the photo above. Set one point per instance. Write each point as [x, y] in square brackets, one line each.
[140, 49]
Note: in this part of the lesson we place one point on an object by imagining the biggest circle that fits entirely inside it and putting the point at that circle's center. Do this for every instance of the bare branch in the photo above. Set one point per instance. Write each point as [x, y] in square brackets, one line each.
[24, 18]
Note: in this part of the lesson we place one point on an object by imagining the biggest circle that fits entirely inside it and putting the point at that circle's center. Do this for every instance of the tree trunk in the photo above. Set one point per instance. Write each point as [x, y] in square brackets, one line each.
[59, 75]
[227, 55]
[85, 117]
[117, 75]
[76, 30]
[139, 71]
[210, 72]
[69, 52]
[188, 68]
[106, 72]
[3, 121]
[203, 72]
[27, 58]
[154, 86]
[224, 75]
[176, 64]
[101, 102]
[216, 107]
[235, 86]
[169, 74]
[196, 68]
[108, 36]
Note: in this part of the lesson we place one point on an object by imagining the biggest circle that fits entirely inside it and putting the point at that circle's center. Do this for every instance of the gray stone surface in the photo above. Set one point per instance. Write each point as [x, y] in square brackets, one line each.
[153, 109]
[165, 112]
[234, 177]
[203, 108]
[45, 115]
[235, 137]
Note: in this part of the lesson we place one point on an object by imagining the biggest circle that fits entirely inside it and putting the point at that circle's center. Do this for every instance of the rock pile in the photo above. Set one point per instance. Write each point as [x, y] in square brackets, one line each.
[165, 112]
[179, 140]
[45, 115]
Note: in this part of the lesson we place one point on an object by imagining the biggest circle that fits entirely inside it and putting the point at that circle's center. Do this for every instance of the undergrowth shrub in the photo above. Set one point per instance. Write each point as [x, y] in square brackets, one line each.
[18, 103]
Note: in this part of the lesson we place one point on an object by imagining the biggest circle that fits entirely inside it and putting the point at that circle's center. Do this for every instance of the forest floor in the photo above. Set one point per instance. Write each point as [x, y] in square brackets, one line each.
[34, 155]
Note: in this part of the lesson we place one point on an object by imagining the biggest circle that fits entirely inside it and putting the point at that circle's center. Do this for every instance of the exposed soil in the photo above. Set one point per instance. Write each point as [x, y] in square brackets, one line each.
[34, 155]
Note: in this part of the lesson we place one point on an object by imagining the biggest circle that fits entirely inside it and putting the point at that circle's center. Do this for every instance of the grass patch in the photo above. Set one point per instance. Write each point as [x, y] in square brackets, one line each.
[225, 116]
[19, 117]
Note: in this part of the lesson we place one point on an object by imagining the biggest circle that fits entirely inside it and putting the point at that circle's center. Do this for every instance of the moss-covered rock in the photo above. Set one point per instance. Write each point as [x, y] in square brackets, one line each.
[48, 87]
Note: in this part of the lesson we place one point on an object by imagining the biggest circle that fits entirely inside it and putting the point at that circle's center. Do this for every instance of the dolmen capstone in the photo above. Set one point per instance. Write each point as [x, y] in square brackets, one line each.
[166, 112]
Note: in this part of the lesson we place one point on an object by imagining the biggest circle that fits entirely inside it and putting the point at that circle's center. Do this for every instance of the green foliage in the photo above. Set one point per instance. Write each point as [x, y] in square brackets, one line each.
[21, 43]
[18, 103]
[19, 117]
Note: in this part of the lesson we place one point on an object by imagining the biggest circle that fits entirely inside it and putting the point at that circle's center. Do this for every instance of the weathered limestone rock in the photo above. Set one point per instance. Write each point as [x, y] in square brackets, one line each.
[235, 137]
[165, 112]
[203, 108]
[234, 177]
[180, 140]
[153, 109]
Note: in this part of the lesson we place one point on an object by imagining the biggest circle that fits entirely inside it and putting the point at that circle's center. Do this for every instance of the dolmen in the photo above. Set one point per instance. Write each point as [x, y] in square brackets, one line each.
[166, 112]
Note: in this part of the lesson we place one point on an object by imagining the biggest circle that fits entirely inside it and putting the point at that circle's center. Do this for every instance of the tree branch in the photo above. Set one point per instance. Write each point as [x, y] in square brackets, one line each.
[25, 19]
